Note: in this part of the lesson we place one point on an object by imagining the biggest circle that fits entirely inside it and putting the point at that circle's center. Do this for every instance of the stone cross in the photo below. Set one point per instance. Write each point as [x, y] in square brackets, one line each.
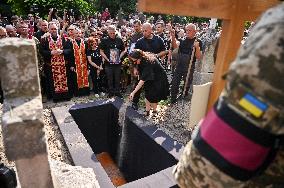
[22, 122]
[233, 13]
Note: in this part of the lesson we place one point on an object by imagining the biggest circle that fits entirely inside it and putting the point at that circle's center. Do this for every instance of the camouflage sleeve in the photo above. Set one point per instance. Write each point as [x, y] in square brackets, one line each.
[259, 66]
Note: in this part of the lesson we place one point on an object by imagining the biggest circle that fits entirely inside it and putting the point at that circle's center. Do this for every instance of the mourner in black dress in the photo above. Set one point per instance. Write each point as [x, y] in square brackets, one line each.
[152, 76]
[95, 64]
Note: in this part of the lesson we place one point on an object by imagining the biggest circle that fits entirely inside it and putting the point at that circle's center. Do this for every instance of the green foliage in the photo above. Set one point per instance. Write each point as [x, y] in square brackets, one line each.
[5, 10]
[127, 7]
[23, 7]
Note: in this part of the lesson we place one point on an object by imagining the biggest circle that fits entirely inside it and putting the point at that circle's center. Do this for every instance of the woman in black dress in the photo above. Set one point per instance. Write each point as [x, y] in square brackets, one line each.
[152, 76]
[95, 64]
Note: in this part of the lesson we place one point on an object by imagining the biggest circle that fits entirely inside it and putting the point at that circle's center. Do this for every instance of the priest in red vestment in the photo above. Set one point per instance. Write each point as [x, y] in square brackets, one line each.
[56, 52]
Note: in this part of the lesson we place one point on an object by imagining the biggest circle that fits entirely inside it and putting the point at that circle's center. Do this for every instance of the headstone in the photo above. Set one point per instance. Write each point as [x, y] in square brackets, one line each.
[67, 176]
[22, 122]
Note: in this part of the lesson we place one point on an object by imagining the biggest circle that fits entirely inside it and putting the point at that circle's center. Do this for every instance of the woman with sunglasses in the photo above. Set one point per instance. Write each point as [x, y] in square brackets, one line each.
[152, 76]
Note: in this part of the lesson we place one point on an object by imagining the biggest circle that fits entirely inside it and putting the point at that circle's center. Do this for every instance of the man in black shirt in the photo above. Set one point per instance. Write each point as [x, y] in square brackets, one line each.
[136, 36]
[148, 43]
[43, 28]
[112, 49]
[160, 31]
[183, 60]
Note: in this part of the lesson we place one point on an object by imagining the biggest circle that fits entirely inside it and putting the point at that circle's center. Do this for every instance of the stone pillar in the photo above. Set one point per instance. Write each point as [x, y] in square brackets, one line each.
[22, 122]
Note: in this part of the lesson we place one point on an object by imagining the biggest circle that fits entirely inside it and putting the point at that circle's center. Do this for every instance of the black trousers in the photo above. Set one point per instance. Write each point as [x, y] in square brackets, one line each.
[180, 73]
[96, 80]
[113, 73]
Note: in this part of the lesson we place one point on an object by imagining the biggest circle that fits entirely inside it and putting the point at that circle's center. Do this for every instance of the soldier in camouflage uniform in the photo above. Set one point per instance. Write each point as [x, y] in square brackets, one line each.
[260, 65]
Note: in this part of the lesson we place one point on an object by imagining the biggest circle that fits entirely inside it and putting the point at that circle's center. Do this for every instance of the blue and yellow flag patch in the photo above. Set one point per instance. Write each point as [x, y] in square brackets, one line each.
[253, 105]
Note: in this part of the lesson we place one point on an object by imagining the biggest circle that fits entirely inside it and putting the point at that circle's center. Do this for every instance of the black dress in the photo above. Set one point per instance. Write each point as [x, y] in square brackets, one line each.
[156, 84]
[96, 79]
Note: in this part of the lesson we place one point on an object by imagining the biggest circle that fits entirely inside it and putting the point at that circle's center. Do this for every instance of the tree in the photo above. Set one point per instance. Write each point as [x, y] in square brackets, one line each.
[23, 7]
[128, 7]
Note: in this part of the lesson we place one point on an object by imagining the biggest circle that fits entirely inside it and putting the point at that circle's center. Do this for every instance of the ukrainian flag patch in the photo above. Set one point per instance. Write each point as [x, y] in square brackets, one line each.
[253, 105]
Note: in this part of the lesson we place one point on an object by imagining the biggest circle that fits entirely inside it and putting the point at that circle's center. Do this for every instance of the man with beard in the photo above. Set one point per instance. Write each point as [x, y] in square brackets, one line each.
[55, 51]
[79, 64]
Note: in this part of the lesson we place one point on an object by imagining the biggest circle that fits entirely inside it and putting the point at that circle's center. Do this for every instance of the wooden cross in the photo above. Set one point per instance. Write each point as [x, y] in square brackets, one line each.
[234, 13]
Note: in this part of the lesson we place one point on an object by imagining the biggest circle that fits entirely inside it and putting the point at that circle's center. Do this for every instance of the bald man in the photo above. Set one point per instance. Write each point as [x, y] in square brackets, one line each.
[11, 31]
[148, 43]
[182, 69]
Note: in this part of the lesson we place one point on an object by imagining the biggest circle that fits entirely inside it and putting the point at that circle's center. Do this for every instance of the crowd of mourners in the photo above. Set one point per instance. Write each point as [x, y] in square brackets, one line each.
[106, 55]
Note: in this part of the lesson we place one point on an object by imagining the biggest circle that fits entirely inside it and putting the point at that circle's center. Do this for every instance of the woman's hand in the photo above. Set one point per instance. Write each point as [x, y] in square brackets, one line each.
[135, 72]
[131, 96]
[98, 72]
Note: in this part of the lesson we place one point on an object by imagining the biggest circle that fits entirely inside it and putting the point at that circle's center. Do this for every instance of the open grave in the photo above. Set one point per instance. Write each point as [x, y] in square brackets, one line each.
[135, 154]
